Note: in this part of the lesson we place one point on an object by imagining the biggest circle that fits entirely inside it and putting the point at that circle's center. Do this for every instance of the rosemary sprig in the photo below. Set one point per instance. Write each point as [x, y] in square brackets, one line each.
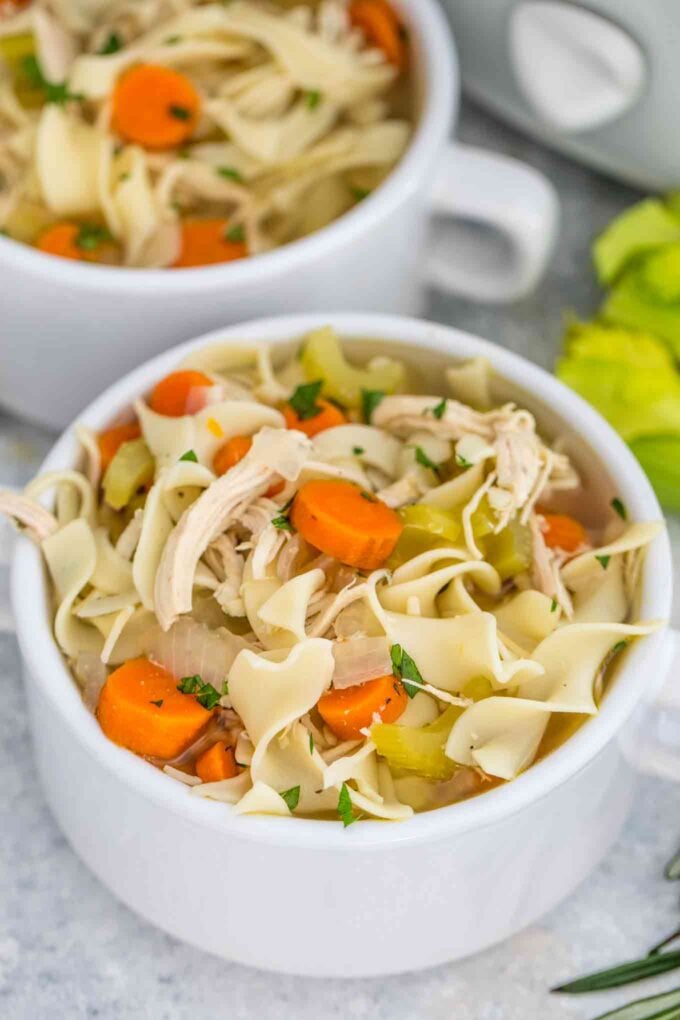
[624, 974]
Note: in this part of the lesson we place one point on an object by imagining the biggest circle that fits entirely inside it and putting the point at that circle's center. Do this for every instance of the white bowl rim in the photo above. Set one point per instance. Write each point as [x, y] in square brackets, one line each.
[56, 683]
[438, 65]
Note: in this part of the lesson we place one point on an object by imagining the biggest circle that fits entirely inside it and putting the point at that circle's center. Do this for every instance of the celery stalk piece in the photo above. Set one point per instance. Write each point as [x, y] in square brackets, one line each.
[132, 467]
[660, 459]
[647, 297]
[425, 527]
[478, 688]
[418, 749]
[646, 225]
[510, 550]
[322, 358]
[14, 49]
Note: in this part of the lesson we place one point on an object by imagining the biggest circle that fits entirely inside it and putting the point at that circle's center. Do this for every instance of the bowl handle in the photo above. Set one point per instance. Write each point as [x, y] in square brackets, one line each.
[651, 739]
[478, 194]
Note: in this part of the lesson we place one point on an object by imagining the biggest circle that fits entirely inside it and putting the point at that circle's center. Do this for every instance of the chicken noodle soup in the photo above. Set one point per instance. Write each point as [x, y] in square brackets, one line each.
[305, 582]
[184, 133]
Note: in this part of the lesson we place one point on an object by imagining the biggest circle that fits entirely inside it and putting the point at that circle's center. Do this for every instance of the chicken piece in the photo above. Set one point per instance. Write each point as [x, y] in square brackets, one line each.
[405, 414]
[274, 452]
[30, 515]
[545, 571]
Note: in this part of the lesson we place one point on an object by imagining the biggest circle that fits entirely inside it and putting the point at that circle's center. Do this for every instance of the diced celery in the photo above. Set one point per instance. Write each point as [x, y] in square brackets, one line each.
[418, 749]
[14, 49]
[478, 688]
[646, 225]
[322, 358]
[482, 520]
[425, 527]
[510, 550]
[132, 467]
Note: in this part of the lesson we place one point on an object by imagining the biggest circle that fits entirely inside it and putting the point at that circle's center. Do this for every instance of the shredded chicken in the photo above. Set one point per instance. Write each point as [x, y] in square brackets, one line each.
[545, 572]
[405, 414]
[37, 521]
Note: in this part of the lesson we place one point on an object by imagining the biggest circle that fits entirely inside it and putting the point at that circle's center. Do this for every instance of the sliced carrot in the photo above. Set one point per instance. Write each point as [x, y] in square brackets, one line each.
[109, 441]
[231, 453]
[141, 709]
[328, 417]
[180, 393]
[155, 107]
[349, 711]
[82, 242]
[380, 25]
[207, 243]
[343, 521]
[563, 532]
[218, 762]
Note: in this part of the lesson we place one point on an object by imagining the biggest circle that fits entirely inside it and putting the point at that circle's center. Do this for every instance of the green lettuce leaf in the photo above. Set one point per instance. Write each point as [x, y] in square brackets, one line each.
[647, 297]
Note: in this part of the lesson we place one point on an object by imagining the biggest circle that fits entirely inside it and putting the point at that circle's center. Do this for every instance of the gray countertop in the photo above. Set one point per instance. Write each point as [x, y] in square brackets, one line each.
[68, 949]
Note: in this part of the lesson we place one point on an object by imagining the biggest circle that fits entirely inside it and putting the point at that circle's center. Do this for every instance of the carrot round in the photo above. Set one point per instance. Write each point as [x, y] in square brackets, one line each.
[563, 532]
[207, 243]
[343, 521]
[180, 393]
[349, 711]
[155, 107]
[109, 441]
[328, 417]
[141, 709]
[380, 25]
[218, 762]
[234, 450]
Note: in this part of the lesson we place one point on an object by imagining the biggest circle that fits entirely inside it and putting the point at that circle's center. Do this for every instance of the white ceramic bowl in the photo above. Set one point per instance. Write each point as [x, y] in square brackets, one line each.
[68, 330]
[306, 896]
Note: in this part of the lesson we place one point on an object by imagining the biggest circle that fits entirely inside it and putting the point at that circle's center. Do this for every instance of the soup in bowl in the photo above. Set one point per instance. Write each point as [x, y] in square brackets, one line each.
[352, 640]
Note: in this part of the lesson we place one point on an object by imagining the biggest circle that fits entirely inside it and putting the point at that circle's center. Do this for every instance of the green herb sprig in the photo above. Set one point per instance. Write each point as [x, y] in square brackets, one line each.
[55, 92]
[304, 400]
[405, 669]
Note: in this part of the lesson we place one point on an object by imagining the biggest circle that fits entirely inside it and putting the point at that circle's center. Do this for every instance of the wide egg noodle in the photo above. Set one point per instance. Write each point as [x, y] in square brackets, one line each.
[285, 611]
[71, 557]
[374, 447]
[425, 590]
[113, 573]
[527, 617]
[500, 735]
[63, 142]
[579, 570]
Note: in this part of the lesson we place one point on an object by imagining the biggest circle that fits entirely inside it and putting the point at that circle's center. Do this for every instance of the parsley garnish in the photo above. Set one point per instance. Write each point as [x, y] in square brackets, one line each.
[190, 456]
[236, 233]
[172, 40]
[603, 561]
[368, 496]
[422, 458]
[228, 172]
[312, 98]
[311, 743]
[620, 508]
[405, 669]
[345, 809]
[357, 450]
[618, 647]
[369, 401]
[359, 194]
[206, 694]
[158, 704]
[90, 236]
[303, 400]
[225, 688]
[112, 44]
[282, 523]
[54, 93]
[291, 797]
[179, 112]
[439, 410]
[553, 606]
[462, 461]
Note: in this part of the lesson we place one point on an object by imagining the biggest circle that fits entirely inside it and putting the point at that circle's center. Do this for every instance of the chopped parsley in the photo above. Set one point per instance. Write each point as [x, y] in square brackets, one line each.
[618, 647]
[620, 509]
[54, 92]
[345, 809]
[172, 40]
[422, 458]
[225, 688]
[282, 523]
[111, 44]
[158, 704]
[405, 669]
[291, 797]
[206, 694]
[230, 173]
[553, 606]
[304, 400]
[462, 461]
[179, 112]
[90, 236]
[439, 410]
[603, 561]
[368, 496]
[359, 194]
[357, 450]
[311, 743]
[312, 98]
[236, 234]
[369, 401]
[190, 455]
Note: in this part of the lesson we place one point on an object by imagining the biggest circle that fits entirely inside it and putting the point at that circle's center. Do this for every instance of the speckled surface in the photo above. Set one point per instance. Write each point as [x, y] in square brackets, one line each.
[69, 950]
